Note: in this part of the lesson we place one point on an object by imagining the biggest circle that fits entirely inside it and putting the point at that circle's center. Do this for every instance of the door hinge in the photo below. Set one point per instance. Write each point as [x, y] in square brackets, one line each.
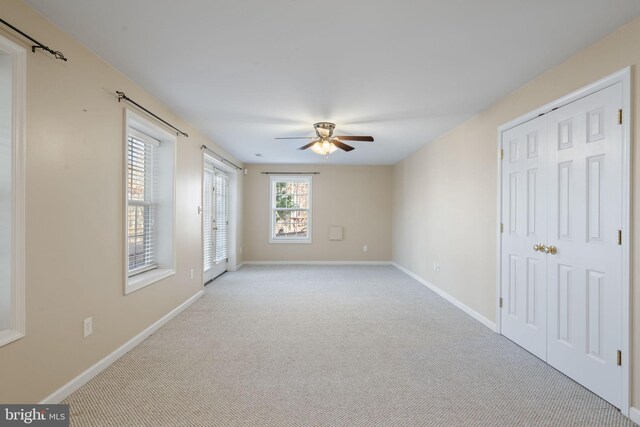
[501, 154]
[620, 237]
[619, 358]
[500, 302]
[620, 116]
[501, 227]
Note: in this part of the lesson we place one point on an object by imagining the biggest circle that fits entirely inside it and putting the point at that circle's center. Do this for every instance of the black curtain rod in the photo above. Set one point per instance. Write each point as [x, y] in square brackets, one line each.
[290, 173]
[122, 96]
[56, 53]
[222, 159]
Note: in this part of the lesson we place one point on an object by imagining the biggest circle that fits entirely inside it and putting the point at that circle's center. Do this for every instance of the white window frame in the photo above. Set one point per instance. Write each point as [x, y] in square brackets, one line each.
[165, 232]
[272, 208]
[17, 304]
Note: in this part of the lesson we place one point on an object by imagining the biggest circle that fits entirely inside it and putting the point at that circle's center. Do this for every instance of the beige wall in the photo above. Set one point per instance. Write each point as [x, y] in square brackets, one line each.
[446, 194]
[74, 220]
[356, 197]
[445, 198]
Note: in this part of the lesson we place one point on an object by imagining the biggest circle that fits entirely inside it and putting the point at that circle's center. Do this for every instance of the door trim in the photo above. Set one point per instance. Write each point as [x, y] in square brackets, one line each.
[234, 217]
[624, 77]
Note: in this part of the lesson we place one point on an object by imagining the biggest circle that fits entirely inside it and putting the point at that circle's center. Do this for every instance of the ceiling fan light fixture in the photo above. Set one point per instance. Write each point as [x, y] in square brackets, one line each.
[323, 148]
[317, 148]
[326, 143]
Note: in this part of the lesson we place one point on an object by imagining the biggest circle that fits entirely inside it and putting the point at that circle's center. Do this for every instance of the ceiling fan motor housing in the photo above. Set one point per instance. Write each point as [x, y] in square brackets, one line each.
[324, 129]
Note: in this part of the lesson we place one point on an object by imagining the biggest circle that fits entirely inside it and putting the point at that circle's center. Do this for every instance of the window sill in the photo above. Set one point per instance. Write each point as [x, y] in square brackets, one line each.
[307, 241]
[142, 280]
[9, 335]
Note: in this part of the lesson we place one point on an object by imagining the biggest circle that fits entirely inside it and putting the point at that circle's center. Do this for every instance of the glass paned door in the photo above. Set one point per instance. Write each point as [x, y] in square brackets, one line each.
[215, 222]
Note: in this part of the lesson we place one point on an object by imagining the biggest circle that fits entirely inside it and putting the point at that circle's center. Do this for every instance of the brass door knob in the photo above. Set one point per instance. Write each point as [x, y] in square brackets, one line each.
[536, 247]
[546, 249]
[552, 250]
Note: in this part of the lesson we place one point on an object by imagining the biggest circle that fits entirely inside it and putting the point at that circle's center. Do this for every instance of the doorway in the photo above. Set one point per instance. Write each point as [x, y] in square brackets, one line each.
[564, 229]
[216, 219]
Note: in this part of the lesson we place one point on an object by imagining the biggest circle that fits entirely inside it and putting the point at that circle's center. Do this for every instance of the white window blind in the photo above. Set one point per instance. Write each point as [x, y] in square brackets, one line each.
[141, 202]
[222, 215]
[207, 217]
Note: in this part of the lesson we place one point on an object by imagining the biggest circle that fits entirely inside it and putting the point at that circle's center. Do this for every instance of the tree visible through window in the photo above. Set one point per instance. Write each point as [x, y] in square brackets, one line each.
[291, 209]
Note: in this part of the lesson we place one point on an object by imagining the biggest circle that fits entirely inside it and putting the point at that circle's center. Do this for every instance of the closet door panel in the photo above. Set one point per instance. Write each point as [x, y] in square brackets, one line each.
[525, 226]
[584, 275]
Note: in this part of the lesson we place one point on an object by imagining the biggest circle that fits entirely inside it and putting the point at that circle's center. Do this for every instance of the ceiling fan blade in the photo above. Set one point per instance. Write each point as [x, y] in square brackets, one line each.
[342, 145]
[299, 137]
[356, 138]
[304, 147]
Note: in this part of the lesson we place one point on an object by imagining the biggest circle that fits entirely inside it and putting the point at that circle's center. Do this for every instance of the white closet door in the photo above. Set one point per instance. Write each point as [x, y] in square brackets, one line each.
[584, 276]
[524, 216]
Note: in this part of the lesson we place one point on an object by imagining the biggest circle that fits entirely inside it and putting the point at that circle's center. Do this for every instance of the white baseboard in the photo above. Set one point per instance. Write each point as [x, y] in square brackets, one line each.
[64, 391]
[471, 312]
[316, 263]
[634, 415]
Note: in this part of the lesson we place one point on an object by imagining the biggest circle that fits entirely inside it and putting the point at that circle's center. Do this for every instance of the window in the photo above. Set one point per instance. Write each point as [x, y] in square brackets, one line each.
[12, 115]
[141, 199]
[290, 209]
[150, 159]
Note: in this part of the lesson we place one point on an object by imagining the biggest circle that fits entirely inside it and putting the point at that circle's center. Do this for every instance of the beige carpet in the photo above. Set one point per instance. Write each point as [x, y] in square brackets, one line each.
[331, 346]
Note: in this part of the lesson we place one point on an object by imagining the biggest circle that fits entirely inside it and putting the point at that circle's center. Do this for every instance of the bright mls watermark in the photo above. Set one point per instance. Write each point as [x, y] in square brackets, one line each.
[34, 415]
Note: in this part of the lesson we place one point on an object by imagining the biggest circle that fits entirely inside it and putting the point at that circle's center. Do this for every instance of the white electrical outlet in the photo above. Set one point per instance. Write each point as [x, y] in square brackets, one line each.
[365, 248]
[438, 267]
[191, 273]
[88, 326]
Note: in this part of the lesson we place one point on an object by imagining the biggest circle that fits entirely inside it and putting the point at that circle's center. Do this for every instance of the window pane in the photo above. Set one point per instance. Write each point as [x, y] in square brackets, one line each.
[292, 194]
[140, 236]
[140, 199]
[207, 218]
[291, 224]
[222, 216]
[140, 170]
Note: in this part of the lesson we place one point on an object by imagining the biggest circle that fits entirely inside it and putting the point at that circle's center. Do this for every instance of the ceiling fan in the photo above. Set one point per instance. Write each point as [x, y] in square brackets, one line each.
[325, 143]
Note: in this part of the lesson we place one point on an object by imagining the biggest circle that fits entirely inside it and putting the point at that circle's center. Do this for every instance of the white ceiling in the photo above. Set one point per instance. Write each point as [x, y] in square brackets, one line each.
[404, 71]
